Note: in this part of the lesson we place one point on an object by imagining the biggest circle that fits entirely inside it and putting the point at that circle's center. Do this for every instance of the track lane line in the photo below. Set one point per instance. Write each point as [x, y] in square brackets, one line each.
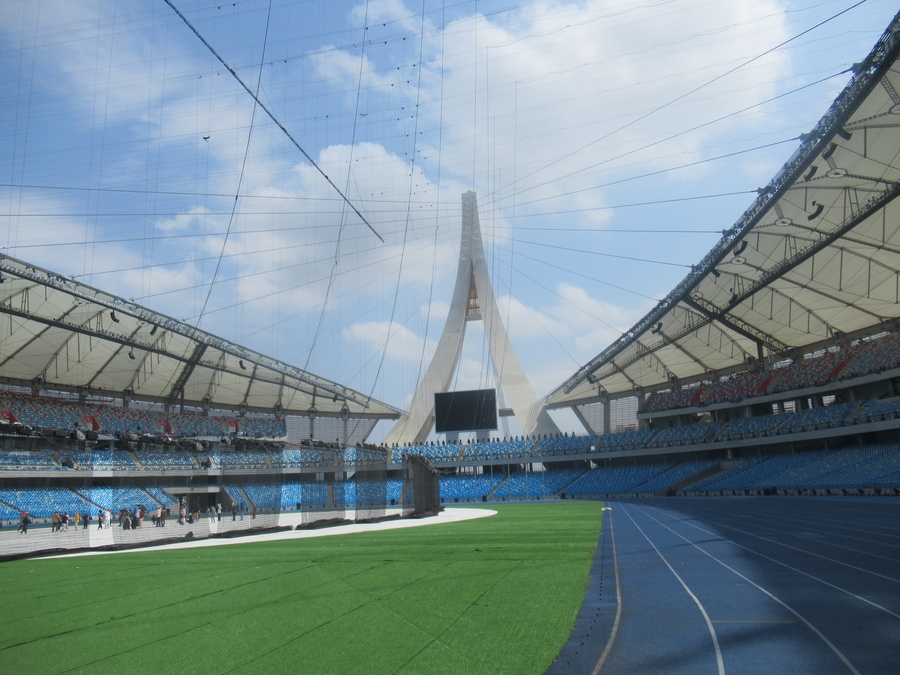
[766, 522]
[790, 567]
[837, 652]
[615, 629]
[709, 624]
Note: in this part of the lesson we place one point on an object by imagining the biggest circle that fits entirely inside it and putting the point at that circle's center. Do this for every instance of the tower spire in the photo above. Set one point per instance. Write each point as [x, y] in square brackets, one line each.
[473, 299]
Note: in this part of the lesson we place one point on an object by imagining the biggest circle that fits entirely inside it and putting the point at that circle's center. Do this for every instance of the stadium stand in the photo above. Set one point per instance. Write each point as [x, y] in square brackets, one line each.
[440, 452]
[685, 435]
[103, 460]
[867, 356]
[566, 444]
[621, 479]
[468, 487]
[165, 459]
[864, 469]
[49, 414]
[116, 498]
[625, 440]
[535, 484]
[160, 496]
[43, 502]
[498, 449]
[239, 459]
[27, 461]
[825, 423]
[802, 397]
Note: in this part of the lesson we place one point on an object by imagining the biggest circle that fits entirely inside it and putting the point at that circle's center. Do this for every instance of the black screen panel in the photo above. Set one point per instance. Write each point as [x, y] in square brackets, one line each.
[472, 410]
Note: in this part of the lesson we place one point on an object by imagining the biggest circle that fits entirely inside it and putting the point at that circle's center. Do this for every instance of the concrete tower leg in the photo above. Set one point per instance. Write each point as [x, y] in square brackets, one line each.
[473, 299]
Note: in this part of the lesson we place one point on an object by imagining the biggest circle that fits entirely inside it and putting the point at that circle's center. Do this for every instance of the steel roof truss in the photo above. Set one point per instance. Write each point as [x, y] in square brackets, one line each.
[250, 381]
[187, 369]
[733, 323]
[684, 350]
[788, 264]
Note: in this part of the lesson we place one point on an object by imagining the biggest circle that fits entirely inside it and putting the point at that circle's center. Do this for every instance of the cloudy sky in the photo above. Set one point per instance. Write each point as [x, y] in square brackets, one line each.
[288, 173]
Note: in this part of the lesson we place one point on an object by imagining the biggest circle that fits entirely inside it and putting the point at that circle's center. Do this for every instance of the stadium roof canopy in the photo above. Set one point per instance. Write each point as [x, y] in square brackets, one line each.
[61, 335]
[815, 259]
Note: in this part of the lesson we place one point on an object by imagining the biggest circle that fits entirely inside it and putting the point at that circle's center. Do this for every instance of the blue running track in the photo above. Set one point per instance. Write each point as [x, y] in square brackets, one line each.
[742, 585]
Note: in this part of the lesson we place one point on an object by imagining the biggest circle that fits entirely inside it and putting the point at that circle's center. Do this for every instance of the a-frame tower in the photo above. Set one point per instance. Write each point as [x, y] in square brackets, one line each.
[473, 299]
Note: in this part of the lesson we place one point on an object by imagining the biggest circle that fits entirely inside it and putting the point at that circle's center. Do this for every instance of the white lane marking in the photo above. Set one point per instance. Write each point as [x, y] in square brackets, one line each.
[794, 569]
[816, 527]
[781, 602]
[615, 629]
[712, 631]
[801, 550]
[835, 525]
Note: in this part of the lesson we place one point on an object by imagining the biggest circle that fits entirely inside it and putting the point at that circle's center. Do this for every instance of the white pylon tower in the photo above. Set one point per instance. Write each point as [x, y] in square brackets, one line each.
[473, 300]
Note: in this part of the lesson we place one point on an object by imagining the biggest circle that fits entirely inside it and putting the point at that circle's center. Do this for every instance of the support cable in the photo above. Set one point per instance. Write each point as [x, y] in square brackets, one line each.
[272, 117]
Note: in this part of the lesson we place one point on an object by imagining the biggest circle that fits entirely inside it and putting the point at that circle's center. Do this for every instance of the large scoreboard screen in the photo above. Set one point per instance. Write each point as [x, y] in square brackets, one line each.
[473, 410]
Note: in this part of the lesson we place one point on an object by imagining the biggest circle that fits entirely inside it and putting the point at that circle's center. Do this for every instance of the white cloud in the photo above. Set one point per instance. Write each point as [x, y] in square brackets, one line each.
[545, 109]
[402, 344]
[183, 221]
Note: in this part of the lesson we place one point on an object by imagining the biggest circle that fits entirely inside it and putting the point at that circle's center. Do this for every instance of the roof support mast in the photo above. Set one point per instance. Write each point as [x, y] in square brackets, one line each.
[473, 299]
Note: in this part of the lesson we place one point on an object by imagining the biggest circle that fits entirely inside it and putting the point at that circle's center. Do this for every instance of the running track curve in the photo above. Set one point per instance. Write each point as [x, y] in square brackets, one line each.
[742, 585]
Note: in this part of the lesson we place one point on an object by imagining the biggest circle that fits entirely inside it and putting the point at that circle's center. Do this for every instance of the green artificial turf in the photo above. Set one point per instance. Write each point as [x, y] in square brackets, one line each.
[495, 595]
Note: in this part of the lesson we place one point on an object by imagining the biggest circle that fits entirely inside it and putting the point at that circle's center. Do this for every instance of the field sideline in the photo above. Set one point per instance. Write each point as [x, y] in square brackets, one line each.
[491, 595]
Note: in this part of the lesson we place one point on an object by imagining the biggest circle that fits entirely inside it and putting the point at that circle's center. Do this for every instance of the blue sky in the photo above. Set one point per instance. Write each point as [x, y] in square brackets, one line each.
[610, 143]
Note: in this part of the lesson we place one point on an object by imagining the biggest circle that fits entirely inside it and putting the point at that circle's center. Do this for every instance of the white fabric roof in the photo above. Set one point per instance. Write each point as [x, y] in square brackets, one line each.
[63, 335]
[815, 259]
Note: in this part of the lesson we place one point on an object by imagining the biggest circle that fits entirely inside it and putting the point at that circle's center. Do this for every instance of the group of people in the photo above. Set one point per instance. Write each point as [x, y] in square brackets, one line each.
[159, 518]
[215, 512]
[60, 521]
[104, 519]
[129, 519]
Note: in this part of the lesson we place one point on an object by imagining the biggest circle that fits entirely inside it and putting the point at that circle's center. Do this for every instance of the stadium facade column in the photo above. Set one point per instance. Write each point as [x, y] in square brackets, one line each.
[473, 299]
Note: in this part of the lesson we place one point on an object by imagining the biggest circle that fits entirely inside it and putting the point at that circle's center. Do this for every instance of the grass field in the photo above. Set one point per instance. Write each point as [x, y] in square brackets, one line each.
[495, 595]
